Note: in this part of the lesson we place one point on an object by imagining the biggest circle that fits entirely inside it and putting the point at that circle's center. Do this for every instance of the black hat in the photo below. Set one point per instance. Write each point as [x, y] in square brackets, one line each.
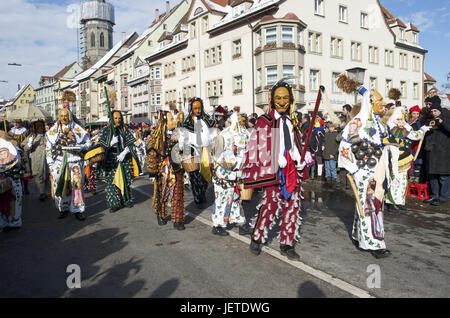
[436, 103]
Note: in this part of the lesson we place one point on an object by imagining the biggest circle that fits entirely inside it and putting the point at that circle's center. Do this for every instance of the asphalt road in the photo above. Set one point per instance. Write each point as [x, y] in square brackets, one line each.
[126, 254]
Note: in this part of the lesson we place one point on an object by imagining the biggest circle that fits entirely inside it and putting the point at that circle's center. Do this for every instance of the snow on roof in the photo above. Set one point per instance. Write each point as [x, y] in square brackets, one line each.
[170, 45]
[216, 7]
[102, 61]
[16, 96]
[257, 6]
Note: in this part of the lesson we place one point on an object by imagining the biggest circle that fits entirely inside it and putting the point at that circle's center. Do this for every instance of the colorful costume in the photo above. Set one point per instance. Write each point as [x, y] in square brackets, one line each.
[118, 181]
[273, 162]
[229, 156]
[363, 154]
[162, 152]
[64, 158]
[10, 186]
[198, 133]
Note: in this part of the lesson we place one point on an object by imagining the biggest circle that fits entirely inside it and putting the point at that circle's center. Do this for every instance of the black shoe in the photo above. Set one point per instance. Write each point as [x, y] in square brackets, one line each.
[436, 202]
[7, 229]
[381, 253]
[179, 226]
[245, 230]
[230, 226]
[161, 221]
[289, 251]
[255, 248]
[63, 214]
[112, 210]
[218, 230]
[80, 216]
[129, 204]
[42, 197]
[430, 200]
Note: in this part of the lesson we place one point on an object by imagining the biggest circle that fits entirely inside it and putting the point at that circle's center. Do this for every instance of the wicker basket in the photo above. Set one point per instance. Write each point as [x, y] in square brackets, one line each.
[190, 165]
[246, 194]
[95, 155]
[97, 158]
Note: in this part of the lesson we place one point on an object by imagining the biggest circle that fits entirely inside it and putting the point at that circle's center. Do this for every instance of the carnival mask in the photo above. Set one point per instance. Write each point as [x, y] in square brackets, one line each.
[197, 108]
[379, 105]
[117, 119]
[282, 99]
[171, 123]
[64, 116]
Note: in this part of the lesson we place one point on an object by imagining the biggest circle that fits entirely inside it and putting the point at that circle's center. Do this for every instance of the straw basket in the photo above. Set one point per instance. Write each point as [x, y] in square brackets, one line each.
[227, 165]
[246, 194]
[190, 165]
[95, 155]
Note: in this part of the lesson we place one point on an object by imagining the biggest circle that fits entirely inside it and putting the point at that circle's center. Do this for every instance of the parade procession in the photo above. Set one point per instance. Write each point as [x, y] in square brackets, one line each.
[224, 152]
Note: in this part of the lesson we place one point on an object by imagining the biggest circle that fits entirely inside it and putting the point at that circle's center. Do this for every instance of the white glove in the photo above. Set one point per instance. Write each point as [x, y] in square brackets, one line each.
[114, 141]
[122, 155]
[301, 166]
[30, 142]
[282, 162]
[425, 129]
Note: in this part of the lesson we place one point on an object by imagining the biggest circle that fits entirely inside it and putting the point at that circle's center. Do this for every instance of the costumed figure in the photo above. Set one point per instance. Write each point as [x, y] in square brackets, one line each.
[364, 155]
[228, 150]
[120, 163]
[416, 170]
[19, 133]
[198, 132]
[92, 158]
[34, 146]
[10, 184]
[64, 146]
[140, 149]
[399, 142]
[273, 162]
[164, 164]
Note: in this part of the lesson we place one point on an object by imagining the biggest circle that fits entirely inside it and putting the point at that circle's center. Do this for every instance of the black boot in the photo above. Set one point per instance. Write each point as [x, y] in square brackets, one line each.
[179, 226]
[289, 251]
[255, 248]
[62, 214]
[245, 229]
[161, 221]
[112, 210]
[381, 253]
[80, 216]
[218, 230]
[42, 197]
[328, 182]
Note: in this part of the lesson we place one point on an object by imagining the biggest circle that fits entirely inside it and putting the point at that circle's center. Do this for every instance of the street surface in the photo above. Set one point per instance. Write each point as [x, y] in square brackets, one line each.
[126, 254]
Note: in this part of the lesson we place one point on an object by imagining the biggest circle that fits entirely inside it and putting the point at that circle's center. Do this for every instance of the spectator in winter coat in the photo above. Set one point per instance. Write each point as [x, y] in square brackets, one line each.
[315, 147]
[330, 154]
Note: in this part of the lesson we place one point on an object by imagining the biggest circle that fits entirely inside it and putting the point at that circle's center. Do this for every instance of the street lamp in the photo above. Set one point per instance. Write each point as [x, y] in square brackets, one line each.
[357, 74]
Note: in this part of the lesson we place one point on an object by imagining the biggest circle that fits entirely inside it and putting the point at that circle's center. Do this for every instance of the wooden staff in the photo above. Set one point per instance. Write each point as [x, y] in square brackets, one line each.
[355, 191]
[419, 148]
[313, 119]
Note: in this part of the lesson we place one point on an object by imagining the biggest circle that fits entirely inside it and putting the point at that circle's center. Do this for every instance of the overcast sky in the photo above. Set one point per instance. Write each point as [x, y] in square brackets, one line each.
[38, 34]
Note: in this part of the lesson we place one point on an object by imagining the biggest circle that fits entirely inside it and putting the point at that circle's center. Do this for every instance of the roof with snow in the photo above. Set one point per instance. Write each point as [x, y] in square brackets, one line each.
[17, 95]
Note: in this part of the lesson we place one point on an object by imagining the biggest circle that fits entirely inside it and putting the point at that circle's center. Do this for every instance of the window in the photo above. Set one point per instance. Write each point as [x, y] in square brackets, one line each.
[219, 54]
[258, 78]
[364, 20]
[314, 80]
[356, 51]
[318, 7]
[402, 34]
[403, 61]
[213, 56]
[343, 14]
[416, 90]
[334, 78]
[205, 24]
[238, 10]
[288, 71]
[336, 47]
[207, 60]
[299, 36]
[287, 34]
[237, 47]
[416, 63]
[315, 42]
[373, 83]
[92, 39]
[403, 89]
[192, 31]
[301, 76]
[258, 39]
[177, 37]
[271, 36]
[237, 84]
[149, 42]
[157, 73]
[271, 75]
[389, 58]
[388, 86]
[102, 40]
[373, 55]
[214, 88]
[415, 37]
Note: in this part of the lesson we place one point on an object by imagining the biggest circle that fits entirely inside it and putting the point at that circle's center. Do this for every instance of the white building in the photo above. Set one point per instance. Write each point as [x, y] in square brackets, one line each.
[236, 50]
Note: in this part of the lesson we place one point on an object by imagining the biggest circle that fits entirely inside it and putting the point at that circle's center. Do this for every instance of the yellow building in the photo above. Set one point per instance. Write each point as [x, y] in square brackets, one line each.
[23, 98]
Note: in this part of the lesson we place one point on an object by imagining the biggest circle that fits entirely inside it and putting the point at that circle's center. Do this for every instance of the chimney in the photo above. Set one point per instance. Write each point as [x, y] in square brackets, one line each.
[157, 14]
[123, 37]
[167, 8]
[18, 87]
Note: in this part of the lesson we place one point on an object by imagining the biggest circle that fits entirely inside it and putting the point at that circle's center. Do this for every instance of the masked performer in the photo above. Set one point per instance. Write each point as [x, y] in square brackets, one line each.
[140, 149]
[273, 162]
[198, 133]
[118, 176]
[92, 157]
[10, 184]
[34, 146]
[65, 142]
[229, 157]
[19, 133]
[164, 164]
[400, 138]
[364, 155]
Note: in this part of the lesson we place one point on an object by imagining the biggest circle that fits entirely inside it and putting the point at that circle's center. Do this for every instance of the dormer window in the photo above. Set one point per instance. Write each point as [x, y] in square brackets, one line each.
[402, 34]
[415, 37]
[238, 10]
[177, 37]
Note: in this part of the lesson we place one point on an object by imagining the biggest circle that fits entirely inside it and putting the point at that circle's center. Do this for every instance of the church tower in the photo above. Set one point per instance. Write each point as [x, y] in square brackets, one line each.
[96, 22]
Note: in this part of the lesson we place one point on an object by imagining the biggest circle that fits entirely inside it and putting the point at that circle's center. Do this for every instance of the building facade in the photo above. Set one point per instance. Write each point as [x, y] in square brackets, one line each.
[23, 98]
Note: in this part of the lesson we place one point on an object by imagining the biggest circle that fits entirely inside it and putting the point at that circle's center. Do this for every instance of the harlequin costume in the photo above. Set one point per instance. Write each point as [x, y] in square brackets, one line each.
[273, 162]
[20, 134]
[400, 137]
[197, 133]
[229, 156]
[364, 155]
[118, 180]
[162, 150]
[64, 144]
[10, 185]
